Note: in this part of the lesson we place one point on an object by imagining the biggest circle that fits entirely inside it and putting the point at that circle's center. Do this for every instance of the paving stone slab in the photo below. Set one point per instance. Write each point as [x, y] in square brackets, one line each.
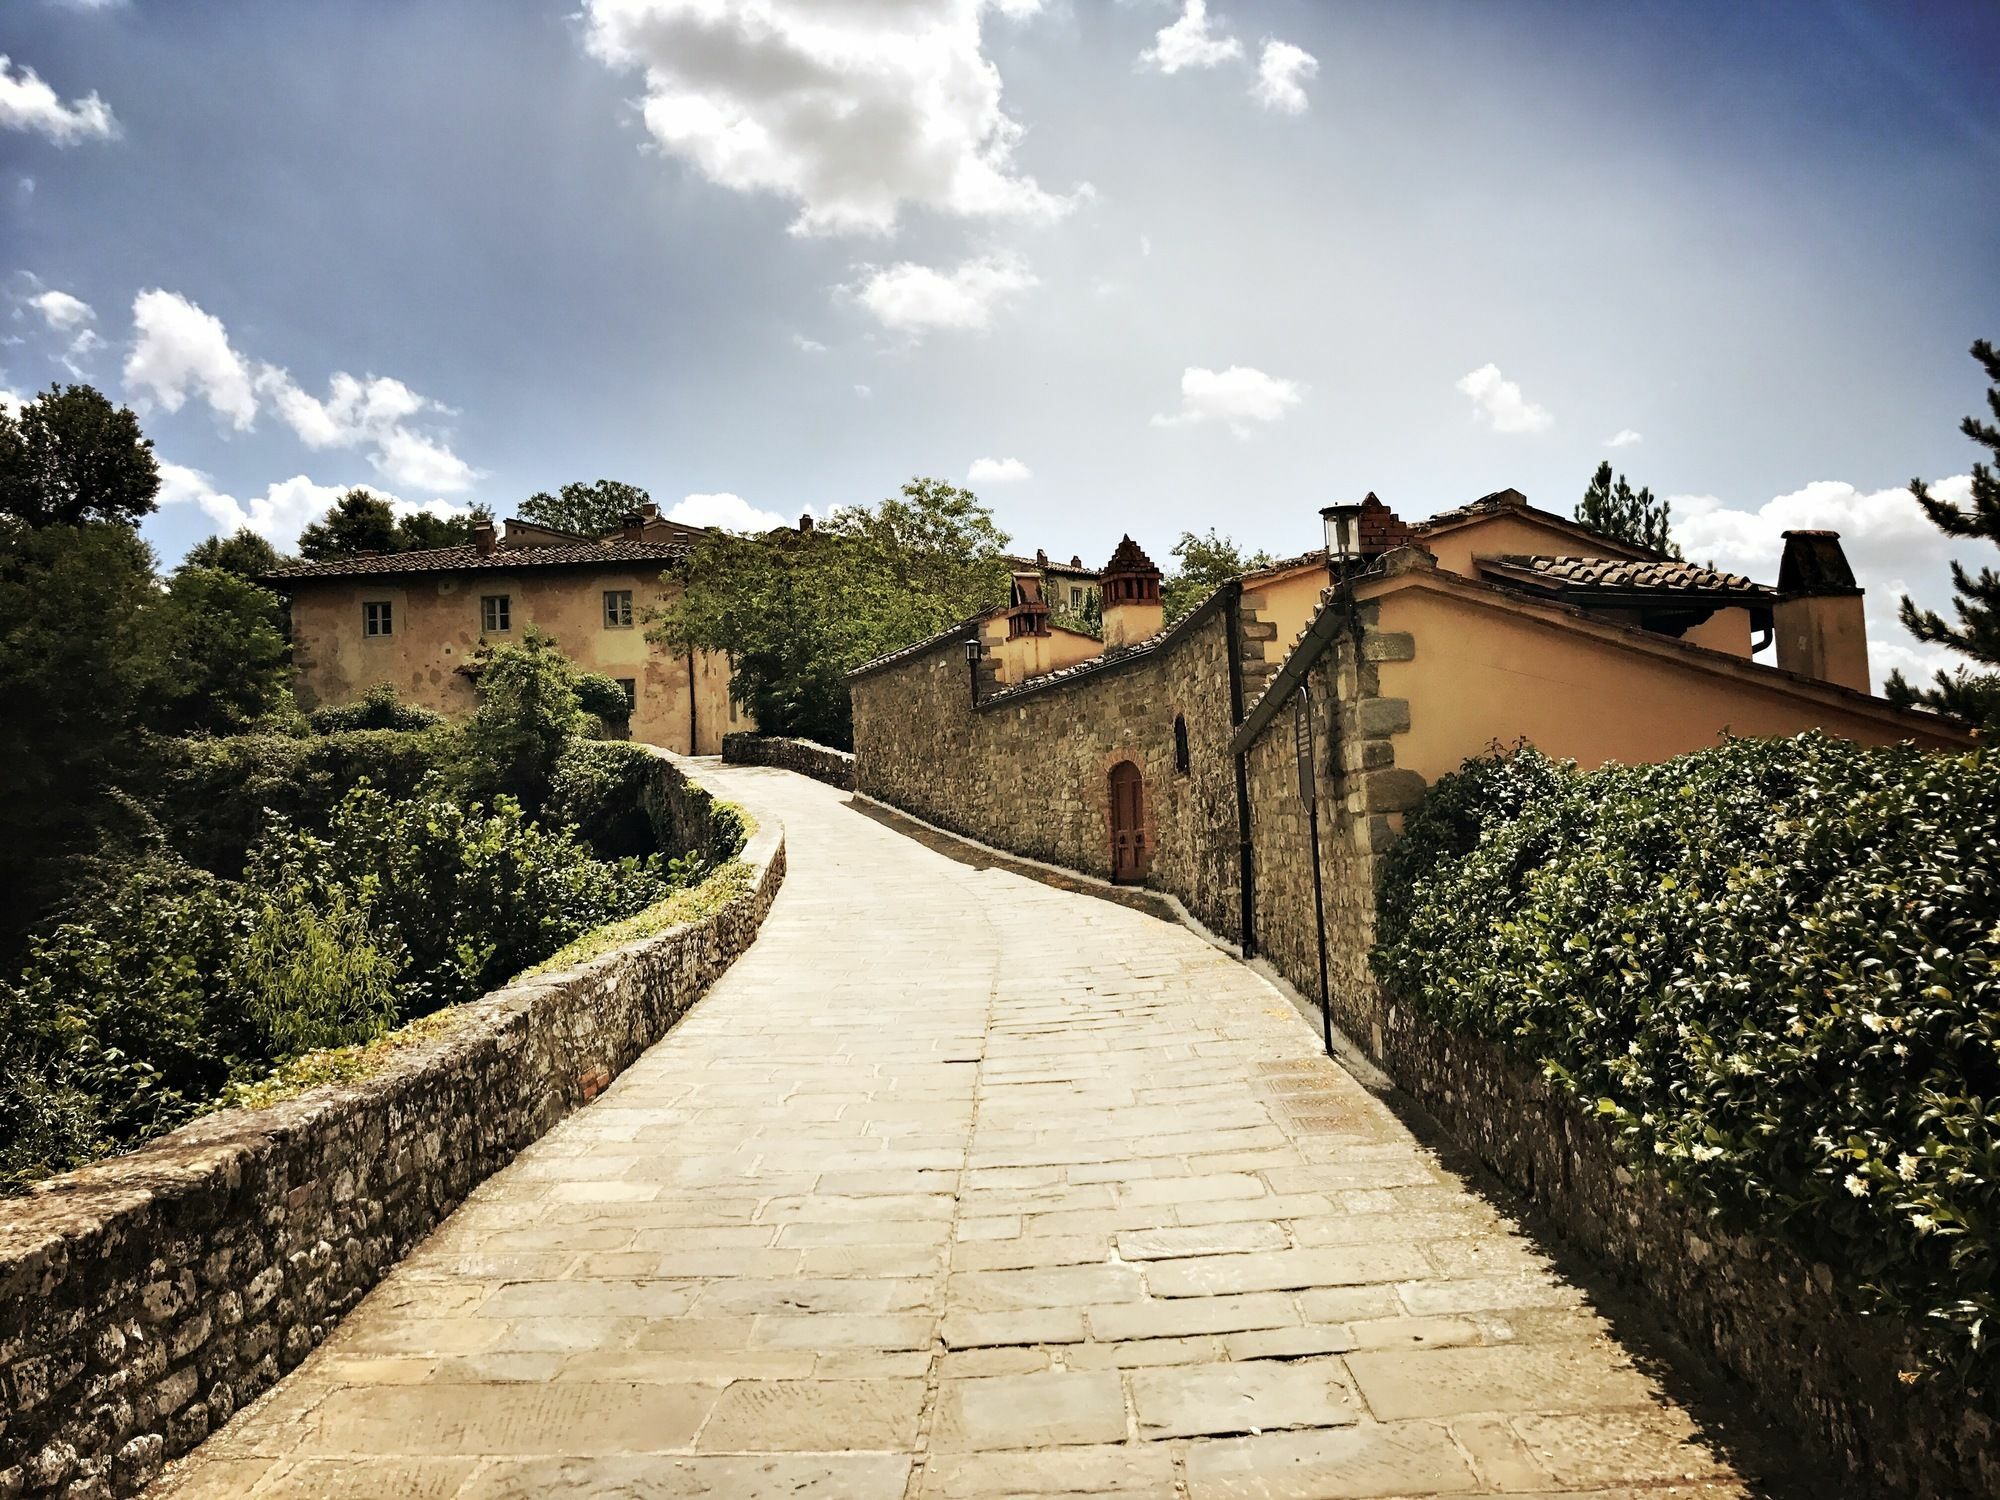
[1221, 1400]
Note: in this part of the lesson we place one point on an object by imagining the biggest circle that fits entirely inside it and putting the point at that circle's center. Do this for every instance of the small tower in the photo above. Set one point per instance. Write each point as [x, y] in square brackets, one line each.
[1027, 611]
[1132, 607]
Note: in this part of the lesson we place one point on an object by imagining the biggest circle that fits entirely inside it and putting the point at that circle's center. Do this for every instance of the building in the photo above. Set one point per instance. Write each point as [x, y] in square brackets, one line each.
[419, 620]
[1187, 758]
[1068, 588]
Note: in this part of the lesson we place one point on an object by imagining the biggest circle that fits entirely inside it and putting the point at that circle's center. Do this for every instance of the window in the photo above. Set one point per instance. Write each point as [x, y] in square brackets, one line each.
[630, 687]
[617, 609]
[375, 618]
[1180, 744]
[495, 614]
[1075, 598]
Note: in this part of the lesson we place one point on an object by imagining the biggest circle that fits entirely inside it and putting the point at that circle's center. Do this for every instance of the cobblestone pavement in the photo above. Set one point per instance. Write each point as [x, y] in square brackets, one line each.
[958, 1185]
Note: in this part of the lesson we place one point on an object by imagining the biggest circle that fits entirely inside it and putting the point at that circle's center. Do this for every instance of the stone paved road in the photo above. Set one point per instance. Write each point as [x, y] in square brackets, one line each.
[961, 1186]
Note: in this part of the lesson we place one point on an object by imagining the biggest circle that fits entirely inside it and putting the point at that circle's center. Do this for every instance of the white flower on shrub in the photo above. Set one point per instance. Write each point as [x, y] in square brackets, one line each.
[1906, 1166]
[1924, 1222]
[1857, 1185]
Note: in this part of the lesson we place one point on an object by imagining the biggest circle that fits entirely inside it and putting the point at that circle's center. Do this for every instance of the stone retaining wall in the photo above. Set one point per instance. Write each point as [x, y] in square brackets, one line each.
[145, 1298]
[808, 758]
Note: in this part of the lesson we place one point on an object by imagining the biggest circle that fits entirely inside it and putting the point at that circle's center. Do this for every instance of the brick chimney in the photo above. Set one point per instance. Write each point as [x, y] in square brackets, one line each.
[1819, 625]
[1027, 611]
[1132, 607]
[806, 524]
[484, 536]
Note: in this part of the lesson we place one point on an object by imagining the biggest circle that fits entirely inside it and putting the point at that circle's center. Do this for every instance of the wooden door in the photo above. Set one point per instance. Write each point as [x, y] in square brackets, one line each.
[1128, 823]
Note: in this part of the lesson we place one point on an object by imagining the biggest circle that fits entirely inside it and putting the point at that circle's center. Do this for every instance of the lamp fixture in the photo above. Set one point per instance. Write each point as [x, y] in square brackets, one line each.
[1342, 524]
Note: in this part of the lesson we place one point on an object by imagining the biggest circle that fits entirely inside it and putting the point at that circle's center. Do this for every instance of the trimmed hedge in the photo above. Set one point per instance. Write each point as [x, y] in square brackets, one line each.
[1771, 966]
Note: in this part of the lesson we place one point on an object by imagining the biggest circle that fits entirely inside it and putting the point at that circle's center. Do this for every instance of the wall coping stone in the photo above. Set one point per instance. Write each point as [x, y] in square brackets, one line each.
[807, 757]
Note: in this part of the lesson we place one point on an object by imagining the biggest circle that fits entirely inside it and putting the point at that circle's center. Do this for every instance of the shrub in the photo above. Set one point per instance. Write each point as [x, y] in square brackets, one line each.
[312, 975]
[596, 788]
[602, 698]
[472, 896]
[1769, 966]
[527, 713]
[378, 708]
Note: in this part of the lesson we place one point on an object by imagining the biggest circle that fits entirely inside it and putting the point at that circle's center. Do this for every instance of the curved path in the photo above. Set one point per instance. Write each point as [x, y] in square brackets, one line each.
[959, 1185]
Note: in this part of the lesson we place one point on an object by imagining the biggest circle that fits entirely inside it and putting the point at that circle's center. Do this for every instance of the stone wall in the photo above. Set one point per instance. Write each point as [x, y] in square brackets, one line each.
[1028, 769]
[807, 757]
[145, 1298]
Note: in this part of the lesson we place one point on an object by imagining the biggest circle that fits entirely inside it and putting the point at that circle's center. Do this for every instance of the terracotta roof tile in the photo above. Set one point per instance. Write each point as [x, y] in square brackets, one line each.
[1585, 575]
[469, 558]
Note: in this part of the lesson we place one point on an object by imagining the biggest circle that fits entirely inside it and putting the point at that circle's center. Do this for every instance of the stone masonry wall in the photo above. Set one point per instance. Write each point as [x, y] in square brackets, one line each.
[145, 1298]
[807, 757]
[1028, 770]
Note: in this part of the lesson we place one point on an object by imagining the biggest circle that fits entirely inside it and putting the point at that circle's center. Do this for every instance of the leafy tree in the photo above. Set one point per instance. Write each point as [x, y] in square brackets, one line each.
[1973, 696]
[361, 521]
[1206, 562]
[588, 510]
[76, 603]
[244, 553]
[1617, 510]
[797, 610]
[70, 456]
[219, 660]
[528, 709]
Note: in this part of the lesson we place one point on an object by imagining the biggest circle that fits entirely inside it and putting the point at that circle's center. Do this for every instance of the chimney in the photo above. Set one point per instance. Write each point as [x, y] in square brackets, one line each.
[1041, 558]
[1818, 621]
[650, 511]
[1132, 607]
[484, 536]
[806, 524]
[632, 528]
[1027, 610]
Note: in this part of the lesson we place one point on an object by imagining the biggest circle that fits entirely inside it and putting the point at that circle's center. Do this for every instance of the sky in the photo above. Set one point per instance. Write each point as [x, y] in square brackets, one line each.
[1139, 266]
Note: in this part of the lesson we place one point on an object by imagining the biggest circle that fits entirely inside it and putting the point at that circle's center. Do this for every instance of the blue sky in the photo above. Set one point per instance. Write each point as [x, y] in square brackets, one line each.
[1161, 266]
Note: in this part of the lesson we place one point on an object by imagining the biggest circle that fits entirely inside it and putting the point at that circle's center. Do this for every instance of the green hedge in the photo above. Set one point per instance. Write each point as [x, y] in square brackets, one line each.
[1770, 967]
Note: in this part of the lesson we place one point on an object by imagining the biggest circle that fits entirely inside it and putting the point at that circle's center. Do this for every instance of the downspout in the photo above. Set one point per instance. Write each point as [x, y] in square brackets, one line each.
[1246, 875]
[694, 740]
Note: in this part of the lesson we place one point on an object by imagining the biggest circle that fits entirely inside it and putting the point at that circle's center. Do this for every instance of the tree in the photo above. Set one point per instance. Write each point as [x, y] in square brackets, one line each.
[528, 710]
[218, 657]
[796, 611]
[70, 456]
[244, 553]
[588, 510]
[1206, 562]
[1616, 510]
[1973, 696]
[75, 658]
[359, 521]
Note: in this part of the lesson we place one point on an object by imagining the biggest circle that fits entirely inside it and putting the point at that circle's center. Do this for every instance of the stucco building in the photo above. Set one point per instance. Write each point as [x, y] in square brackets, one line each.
[1180, 757]
[418, 621]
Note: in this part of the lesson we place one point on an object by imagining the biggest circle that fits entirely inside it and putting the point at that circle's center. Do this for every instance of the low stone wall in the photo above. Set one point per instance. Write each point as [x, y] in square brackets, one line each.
[1832, 1376]
[145, 1298]
[808, 758]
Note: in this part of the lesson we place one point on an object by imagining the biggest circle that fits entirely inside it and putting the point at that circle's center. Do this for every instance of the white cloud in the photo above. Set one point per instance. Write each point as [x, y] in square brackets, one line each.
[730, 512]
[1891, 545]
[850, 108]
[60, 310]
[1624, 437]
[998, 471]
[11, 402]
[1189, 43]
[864, 391]
[1282, 75]
[27, 103]
[807, 346]
[917, 300]
[1237, 396]
[282, 511]
[179, 351]
[1500, 402]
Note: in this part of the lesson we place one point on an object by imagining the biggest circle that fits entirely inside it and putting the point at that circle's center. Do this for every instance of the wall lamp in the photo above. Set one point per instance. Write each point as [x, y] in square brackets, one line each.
[1342, 524]
[974, 649]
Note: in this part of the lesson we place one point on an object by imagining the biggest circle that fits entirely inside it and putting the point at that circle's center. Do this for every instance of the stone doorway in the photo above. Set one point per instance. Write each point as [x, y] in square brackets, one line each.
[1128, 824]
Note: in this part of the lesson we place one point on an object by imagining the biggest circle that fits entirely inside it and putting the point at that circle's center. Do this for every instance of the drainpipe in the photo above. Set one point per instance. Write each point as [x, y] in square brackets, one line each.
[1247, 893]
[694, 740]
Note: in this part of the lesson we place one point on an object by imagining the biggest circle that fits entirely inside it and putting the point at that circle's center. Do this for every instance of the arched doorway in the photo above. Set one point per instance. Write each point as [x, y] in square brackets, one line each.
[1128, 823]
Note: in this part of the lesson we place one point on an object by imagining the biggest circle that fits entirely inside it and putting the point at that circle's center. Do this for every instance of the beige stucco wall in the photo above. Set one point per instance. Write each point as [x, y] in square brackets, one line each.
[437, 628]
[1287, 601]
[1486, 671]
[1512, 532]
[1037, 655]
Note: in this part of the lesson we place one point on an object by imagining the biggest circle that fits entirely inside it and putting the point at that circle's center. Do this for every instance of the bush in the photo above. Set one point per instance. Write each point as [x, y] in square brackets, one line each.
[602, 698]
[313, 975]
[527, 713]
[1770, 966]
[378, 708]
[597, 787]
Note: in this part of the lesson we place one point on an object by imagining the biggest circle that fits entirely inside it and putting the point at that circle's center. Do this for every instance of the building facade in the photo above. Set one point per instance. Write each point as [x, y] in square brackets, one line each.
[419, 621]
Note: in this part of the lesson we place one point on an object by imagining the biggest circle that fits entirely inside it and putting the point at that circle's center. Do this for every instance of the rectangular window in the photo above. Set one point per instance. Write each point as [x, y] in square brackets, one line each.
[495, 614]
[1076, 598]
[617, 609]
[630, 686]
[375, 618]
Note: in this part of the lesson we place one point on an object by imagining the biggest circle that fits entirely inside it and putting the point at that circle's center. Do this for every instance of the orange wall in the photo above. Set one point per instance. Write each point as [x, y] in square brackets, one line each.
[1037, 655]
[1483, 674]
[437, 620]
[1288, 602]
[1510, 532]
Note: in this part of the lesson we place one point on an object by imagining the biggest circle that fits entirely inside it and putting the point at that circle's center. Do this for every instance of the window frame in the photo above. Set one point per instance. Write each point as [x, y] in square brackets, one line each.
[374, 625]
[618, 615]
[631, 687]
[489, 613]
